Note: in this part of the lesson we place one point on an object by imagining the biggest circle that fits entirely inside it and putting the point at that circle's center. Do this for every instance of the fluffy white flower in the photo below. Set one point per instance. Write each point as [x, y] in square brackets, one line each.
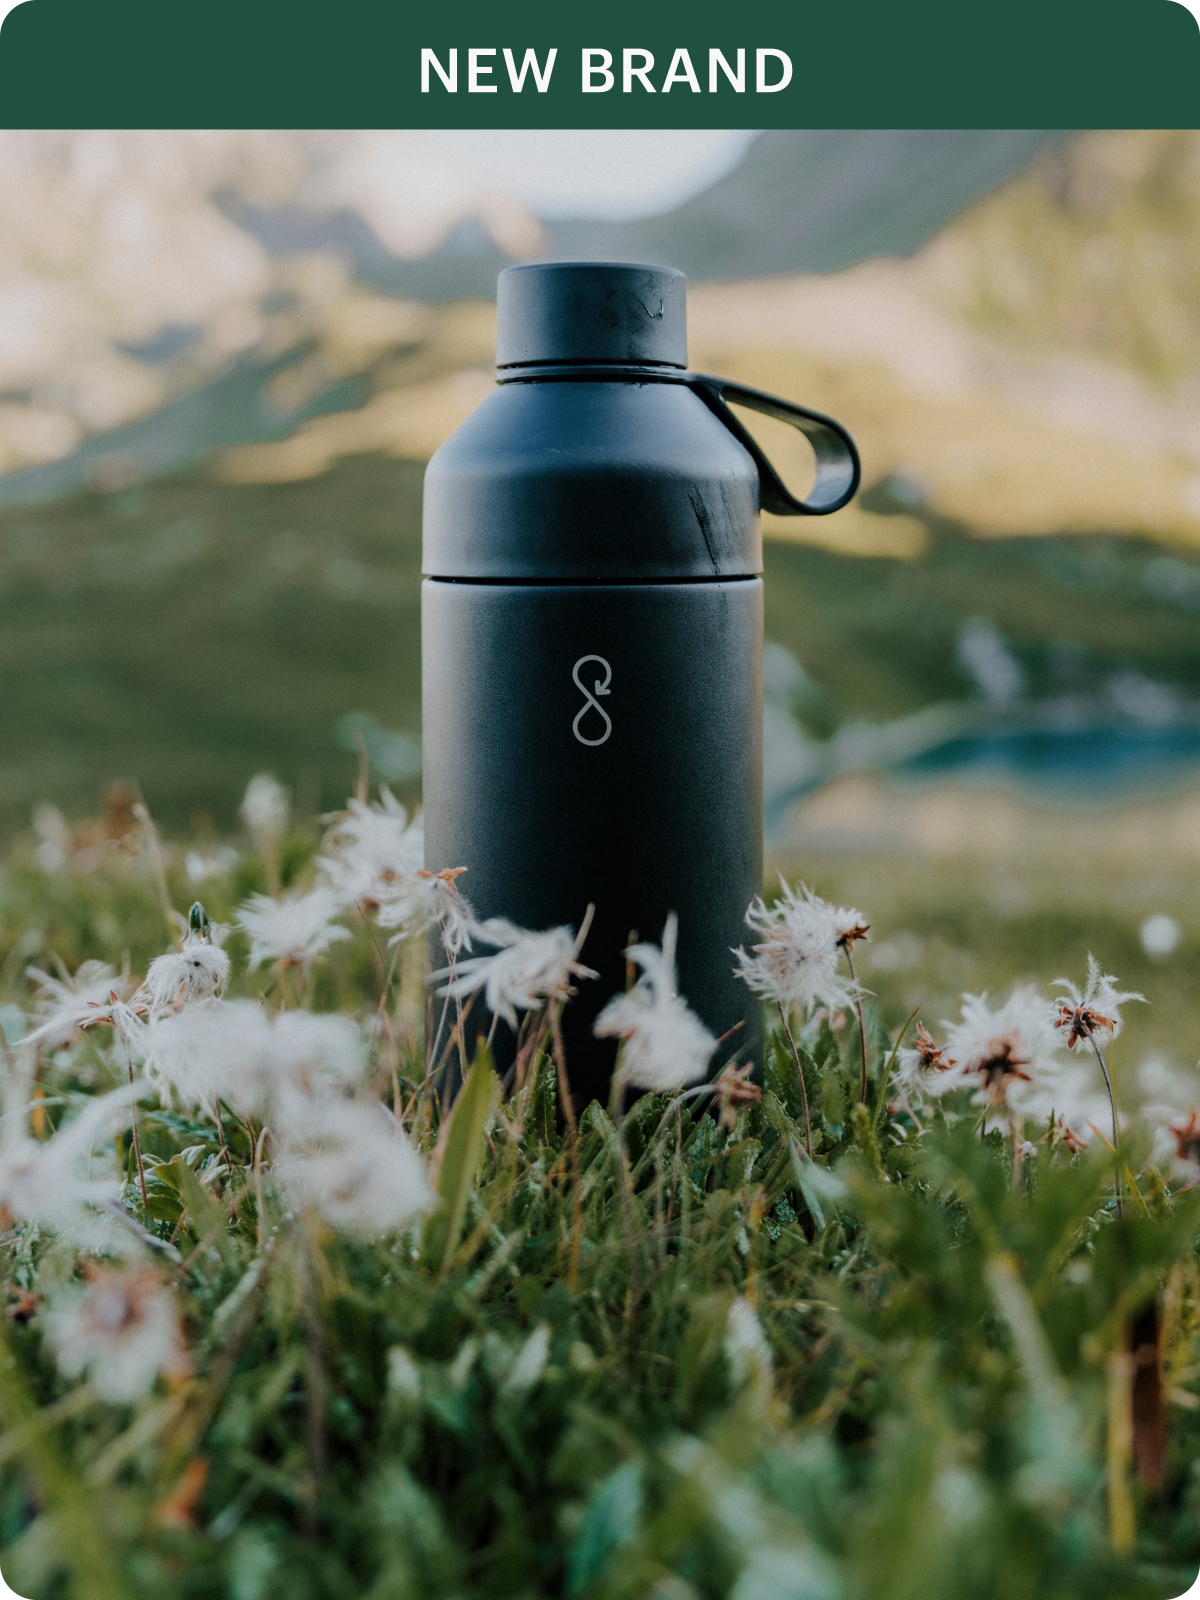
[369, 847]
[1183, 1149]
[1171, 1108]
[1096, 1008]
[197, 971]
[266, 809]
[664, 1043]
[65, 1003]
[527, 970]
[1010, 1055]
[294, 930]
[797, 963]
[236, 1051]
[923, 1066]
[53, 1182]
[849, 925]
[422, 900]
[1073, 1109]
[349, 1161]
[126, 1018]
[121, 1328]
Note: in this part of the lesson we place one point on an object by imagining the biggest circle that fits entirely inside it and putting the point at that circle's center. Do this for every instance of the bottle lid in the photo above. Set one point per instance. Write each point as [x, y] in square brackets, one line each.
[591, 312]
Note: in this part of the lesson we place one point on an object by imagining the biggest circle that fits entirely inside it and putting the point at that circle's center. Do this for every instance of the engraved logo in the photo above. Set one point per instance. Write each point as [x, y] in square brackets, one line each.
[591, 707]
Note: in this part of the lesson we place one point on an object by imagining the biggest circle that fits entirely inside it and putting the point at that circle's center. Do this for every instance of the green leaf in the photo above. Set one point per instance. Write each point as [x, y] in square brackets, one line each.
[815, 1184]
[462, 1158]
[206, 1219]
[610, 1522]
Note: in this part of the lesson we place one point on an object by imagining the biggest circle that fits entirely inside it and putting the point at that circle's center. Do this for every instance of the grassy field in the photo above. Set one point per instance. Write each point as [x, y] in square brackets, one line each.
[974, 888]
[668, 1357]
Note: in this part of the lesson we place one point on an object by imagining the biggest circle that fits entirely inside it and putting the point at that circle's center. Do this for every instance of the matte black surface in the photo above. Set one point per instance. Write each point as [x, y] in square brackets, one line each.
[662, 813]
[592, 639]
[592, 482]
[591, 311]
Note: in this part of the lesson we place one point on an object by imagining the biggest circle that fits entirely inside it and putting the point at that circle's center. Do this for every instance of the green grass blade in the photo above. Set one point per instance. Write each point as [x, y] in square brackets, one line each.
[462, 1158]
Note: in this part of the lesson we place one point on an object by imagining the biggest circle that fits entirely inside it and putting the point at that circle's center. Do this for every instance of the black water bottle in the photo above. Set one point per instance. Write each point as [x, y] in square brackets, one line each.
[592, 638]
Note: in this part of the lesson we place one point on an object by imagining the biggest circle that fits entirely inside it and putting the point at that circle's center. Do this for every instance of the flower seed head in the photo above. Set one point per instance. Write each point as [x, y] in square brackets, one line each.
[1096, 1008]
[527, 970]
[797, 963]
[121, 1329]
[294, 930]
[664, 1045]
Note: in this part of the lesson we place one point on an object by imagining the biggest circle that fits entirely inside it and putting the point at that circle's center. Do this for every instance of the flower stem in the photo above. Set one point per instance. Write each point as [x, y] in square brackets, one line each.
[1116, 1130]
[315, 1385]
[137, 1138]
[808, 1149]
[862, 1026]
[568, 1106]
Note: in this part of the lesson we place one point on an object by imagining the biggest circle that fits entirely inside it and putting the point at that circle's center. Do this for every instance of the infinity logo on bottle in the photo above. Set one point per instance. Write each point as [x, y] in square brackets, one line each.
[600, 686]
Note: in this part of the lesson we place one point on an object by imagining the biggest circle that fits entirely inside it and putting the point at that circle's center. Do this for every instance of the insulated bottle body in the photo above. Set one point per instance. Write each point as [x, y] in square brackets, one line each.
[600, 744]
[592, 641]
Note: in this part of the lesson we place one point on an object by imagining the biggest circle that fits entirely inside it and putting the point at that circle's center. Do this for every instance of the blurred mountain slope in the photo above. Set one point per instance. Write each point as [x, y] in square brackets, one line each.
[127, 279]
[815, 200]
[140, 268]
[1033, 369]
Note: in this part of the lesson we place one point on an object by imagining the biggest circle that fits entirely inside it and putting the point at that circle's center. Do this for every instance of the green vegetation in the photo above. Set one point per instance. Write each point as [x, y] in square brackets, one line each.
[671, 1358]
[185, 635]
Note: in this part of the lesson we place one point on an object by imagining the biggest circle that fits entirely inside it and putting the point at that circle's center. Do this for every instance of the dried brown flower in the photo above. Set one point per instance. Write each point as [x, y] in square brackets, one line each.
[734, 1087]
[1000, 1068]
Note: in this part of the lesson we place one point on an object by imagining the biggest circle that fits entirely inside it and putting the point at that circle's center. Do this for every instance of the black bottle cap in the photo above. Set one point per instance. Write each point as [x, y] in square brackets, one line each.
[591, 311]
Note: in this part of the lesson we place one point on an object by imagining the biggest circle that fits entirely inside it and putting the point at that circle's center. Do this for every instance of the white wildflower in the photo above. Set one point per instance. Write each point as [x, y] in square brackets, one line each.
[923, 1066]
[527, 970]
[52, 1182]
[125, 1018]
[236, 1051]
[121, 1328]
[369, 848]
[1061, 1131]
[1010, 1055]
[1077, 1107]
[1184, 1147]
[1096, 1008]
[422, 900]
[266, 809]
[849, 925]
[294, 930]
[63, 1004]
[733, 1087]
[1171, 1108]
[349, 1161]
[198, 970]
[796, 965]
[664, 1043]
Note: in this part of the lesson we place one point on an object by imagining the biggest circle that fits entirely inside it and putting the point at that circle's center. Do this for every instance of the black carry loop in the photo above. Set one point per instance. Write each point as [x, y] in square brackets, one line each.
[838, 467]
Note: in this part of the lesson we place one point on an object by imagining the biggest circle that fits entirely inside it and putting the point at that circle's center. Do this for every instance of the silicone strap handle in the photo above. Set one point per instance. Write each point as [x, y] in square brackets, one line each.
[838, 467]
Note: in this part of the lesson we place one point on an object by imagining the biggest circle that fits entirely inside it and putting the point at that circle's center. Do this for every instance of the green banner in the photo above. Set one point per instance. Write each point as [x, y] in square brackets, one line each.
[363, 63]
